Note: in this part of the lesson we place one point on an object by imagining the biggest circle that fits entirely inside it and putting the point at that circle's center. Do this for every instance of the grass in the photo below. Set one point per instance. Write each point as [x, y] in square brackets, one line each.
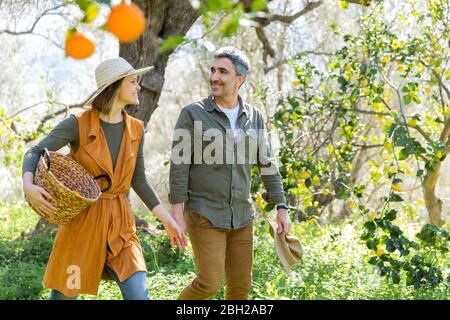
[334, 265]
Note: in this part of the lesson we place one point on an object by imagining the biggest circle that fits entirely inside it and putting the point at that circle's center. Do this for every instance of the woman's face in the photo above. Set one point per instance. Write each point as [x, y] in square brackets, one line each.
[128, 90]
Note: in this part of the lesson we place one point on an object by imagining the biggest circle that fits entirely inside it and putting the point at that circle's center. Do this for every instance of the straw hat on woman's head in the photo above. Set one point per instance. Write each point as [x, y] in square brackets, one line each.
[112, 70]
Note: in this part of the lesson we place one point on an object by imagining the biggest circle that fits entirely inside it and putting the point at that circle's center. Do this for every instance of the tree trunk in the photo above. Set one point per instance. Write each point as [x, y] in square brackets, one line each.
[165, 18]
[433, 203]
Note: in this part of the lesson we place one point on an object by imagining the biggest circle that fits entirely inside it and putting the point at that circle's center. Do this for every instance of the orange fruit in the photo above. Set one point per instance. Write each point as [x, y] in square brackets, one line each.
[78, 46]
[126, 22]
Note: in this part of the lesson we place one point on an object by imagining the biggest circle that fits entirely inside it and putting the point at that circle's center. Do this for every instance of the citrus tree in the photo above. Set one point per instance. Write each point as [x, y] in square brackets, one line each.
[375, 120]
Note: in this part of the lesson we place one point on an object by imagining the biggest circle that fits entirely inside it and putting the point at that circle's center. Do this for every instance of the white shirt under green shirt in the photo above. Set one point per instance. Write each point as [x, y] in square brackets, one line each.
[232, 116]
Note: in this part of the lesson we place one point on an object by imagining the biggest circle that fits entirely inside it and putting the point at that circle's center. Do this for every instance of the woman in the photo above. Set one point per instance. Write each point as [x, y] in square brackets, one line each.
[101, 241]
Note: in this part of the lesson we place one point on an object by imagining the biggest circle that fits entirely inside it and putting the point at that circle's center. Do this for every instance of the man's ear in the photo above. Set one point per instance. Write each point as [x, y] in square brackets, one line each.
[241, 78]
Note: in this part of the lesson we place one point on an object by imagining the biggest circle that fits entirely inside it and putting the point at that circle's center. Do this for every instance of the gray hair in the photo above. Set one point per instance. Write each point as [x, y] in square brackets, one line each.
[237, 57]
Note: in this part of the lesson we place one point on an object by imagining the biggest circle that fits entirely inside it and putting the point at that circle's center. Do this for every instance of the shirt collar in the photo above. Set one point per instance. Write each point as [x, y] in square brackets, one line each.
[211, 105]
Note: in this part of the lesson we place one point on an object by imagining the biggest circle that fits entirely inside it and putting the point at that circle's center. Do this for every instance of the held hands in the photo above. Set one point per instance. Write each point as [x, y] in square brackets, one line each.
[174, 231]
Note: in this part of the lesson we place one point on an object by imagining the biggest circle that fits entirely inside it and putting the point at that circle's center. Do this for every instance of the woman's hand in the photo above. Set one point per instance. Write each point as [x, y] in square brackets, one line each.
[37, 196]
[174, 231]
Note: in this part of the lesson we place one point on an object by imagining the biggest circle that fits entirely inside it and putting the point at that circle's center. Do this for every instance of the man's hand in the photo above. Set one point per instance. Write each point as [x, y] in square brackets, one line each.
[174, 233]
[284, 221]
[178, 215]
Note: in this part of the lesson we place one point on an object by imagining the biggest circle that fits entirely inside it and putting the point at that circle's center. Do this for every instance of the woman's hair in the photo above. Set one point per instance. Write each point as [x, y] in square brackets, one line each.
[104, 101]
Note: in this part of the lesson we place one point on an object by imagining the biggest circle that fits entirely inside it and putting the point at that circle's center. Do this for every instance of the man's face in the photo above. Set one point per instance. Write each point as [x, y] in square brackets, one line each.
[223, 78]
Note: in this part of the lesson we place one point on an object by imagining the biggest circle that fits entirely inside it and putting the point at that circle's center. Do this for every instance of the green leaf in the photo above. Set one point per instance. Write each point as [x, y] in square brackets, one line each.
[91, 13]
[401, 138]
[218, 5]
[269, 207]
[370, 226]
[395, 198]
[343, 4]
[414, 245]
[171, 43]
[308, 182]
[406, 99]
[404, 252]
[84, 4]
[391, 215]
[258, 5]
[395, 277]
[343, 82]
[405, 153]
[70, 32]
[342, 194]
[366, 236]
[359, 190]
[390, 246]
[373, 260]
[371, 244]
[230, 27]
[362, 70]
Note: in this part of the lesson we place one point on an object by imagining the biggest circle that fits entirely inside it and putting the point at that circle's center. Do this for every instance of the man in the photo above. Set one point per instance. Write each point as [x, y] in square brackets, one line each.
[210, 182]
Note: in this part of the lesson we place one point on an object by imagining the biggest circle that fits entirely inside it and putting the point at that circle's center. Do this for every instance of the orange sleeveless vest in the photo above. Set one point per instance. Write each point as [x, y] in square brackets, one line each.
[105, 232]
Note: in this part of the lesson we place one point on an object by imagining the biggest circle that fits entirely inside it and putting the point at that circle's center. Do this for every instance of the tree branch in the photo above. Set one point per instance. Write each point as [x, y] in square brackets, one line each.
[289, 19]
[25, 109]
[267, 48]
[30, 31]
[368, 146]
[423, 133]
[284, 61]
[441, 84]
[50, 116]
[269, 18]
[360, 2]
[446, 131]
[369, 112]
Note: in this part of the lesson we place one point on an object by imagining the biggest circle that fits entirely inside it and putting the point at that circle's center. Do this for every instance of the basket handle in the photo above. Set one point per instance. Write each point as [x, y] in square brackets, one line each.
[46, 154]
[104, 175]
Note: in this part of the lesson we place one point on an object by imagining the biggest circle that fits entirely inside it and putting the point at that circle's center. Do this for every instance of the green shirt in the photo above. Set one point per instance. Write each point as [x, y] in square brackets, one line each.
[220, 191]
[67, 132]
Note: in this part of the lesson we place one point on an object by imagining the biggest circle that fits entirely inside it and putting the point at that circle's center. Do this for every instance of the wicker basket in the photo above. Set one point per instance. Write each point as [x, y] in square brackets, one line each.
[71, 186]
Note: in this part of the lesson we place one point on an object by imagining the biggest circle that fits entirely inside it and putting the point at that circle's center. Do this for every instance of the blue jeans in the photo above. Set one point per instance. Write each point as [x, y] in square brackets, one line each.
[133, 288]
